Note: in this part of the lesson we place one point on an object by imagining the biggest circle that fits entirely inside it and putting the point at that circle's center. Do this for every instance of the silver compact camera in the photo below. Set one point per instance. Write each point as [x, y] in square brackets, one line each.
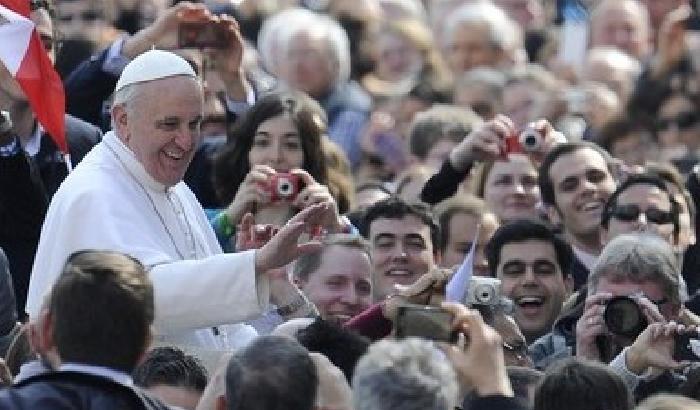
[483, 291]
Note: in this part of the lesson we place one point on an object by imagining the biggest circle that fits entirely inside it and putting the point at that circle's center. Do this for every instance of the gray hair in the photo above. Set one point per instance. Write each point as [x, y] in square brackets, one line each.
[280, 29]
[638, 258]
[407, 374]
[308, 263]
[504, 33]
[124, 97]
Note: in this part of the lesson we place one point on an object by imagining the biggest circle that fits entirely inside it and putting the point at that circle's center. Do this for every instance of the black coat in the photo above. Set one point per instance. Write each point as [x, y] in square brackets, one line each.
[26, 187]
[75, 391]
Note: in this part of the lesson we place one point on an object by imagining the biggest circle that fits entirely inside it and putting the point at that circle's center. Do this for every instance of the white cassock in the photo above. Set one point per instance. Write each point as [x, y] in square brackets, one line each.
[109, 202]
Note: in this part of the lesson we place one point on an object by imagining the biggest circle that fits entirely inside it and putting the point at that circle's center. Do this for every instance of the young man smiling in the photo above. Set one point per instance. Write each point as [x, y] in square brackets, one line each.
[533, 264]
[576, 179]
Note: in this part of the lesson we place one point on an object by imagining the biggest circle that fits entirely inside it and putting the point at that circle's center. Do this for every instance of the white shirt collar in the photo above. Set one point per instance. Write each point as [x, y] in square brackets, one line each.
[33, 144]
[130, 162]
[587, 259]
[112, 374]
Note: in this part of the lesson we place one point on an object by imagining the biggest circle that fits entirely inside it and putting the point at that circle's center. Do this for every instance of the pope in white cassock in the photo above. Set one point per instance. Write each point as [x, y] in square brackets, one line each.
[127, 195]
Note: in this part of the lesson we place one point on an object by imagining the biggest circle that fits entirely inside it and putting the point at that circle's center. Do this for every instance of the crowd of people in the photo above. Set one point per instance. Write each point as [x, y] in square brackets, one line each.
[355, 205]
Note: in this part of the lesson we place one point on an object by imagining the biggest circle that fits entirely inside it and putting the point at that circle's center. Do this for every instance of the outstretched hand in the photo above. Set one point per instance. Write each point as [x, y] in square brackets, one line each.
[284, 247]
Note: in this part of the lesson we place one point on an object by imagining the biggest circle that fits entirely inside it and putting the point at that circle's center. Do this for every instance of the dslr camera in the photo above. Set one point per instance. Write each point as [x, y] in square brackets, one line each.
[527, 140]
[624, 317]
[284, 187]
[483, 291]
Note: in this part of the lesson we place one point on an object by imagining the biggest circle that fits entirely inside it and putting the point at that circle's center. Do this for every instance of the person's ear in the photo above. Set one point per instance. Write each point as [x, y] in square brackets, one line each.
[437, 256]
[147, 344]
[120, 119]
[569, 284]
[45, 337]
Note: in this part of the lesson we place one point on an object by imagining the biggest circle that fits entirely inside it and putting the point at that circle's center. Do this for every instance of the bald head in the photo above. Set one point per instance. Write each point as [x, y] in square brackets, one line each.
[623, 24]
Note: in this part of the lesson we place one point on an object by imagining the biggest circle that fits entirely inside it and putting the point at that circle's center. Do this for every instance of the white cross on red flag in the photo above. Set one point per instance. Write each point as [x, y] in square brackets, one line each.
[24, 56]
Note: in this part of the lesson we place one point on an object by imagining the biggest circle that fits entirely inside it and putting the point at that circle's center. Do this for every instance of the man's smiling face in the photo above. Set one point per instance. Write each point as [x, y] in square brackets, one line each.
[402, 251]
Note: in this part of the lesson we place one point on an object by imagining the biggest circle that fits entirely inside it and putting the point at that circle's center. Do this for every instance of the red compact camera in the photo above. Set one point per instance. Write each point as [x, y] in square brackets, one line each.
[284, 187]
[527, 140]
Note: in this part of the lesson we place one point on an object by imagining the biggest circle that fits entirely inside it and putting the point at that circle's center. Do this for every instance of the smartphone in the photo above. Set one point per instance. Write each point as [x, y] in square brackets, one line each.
[687, 347]
[427, 322]
[201, 35]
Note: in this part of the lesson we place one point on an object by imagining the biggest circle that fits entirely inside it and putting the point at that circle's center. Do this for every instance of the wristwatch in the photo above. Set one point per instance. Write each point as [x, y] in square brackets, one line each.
[292, 307]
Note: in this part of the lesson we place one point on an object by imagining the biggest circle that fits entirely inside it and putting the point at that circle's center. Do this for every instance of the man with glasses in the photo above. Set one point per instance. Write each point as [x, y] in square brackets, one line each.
[31, 166]
[639, 266]
[641, 204]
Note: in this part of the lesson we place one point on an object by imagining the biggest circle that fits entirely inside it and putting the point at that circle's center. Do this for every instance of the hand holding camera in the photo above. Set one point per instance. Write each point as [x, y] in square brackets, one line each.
[622, 316]
[251, 193]
[165, 29]
[485, 143]
[498, 138]
[590, 325]
[310, 193]
[663, 346]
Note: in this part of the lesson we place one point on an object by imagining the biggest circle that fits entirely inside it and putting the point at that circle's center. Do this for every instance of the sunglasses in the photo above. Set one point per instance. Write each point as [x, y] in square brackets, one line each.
[630, 213]
[683, 121]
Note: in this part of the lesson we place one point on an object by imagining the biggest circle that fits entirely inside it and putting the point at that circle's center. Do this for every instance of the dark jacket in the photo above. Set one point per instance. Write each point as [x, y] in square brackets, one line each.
[442, 185]
[493, 403]
[26, 187]
[8, 310]
[75, 391]
[579, 272]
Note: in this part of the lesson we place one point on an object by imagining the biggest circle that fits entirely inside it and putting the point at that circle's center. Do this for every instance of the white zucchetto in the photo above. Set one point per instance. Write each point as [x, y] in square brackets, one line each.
[153, 65]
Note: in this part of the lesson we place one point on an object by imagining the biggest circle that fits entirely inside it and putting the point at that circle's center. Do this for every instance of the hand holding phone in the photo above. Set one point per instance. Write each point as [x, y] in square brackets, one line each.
[202, 34]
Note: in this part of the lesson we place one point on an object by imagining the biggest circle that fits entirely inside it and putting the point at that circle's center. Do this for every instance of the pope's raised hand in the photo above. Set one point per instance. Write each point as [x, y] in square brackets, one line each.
[284, 247]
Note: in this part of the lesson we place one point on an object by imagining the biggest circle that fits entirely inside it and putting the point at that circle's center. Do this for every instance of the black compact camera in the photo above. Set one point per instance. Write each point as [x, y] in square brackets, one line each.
[687, 347]
[427, 322]
[624, 317]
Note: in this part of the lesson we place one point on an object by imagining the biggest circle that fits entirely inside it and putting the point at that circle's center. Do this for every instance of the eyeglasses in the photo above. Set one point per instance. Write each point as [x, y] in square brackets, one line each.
[630, 213]
[683, 121]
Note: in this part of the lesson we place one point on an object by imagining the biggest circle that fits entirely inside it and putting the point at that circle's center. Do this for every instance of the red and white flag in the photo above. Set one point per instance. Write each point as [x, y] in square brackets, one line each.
[24, 56]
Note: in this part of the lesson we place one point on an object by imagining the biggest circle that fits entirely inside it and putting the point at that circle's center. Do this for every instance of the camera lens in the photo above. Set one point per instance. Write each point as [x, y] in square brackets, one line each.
[530, 140]
[484, 294]
[284, 188]
[624, 317]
